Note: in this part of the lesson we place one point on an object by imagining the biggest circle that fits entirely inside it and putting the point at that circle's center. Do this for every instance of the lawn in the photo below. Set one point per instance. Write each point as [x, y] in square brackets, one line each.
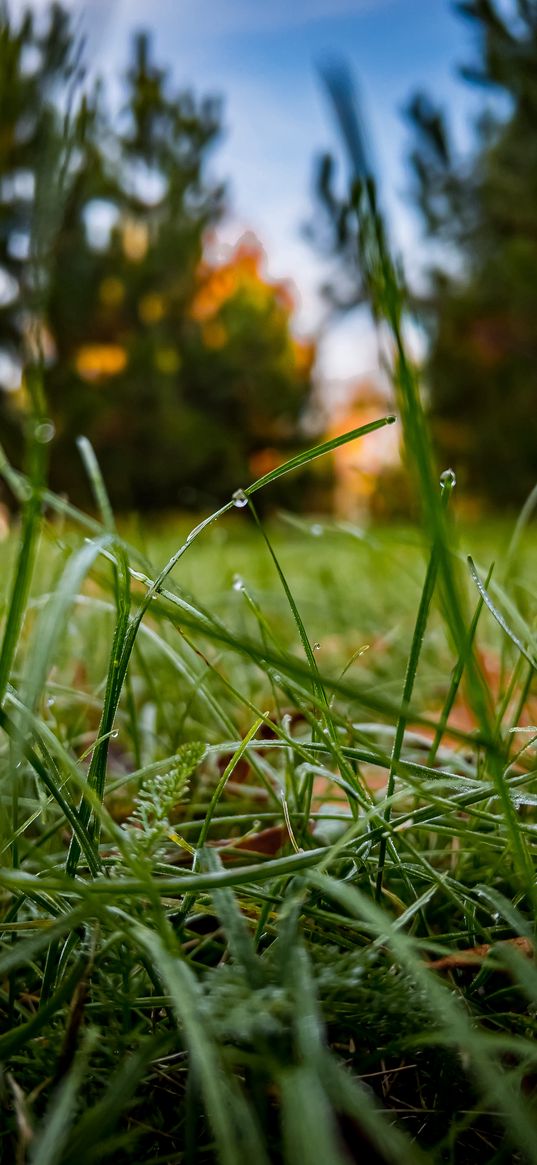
[227, 882]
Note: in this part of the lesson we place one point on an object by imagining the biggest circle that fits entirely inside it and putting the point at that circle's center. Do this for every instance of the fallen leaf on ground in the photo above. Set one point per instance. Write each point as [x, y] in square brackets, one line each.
[475, 955]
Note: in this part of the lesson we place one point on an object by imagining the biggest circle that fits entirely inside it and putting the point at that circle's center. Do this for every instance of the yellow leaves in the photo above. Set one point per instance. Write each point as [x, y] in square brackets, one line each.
[95, 362]
[218, 286]
[304, 356]
[134, 240]
[244, 272]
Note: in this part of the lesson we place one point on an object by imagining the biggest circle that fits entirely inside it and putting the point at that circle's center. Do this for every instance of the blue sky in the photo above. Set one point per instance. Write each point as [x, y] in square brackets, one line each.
[262, 57]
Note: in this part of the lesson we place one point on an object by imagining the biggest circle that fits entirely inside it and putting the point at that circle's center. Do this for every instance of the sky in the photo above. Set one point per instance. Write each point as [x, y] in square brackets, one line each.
[262, 57]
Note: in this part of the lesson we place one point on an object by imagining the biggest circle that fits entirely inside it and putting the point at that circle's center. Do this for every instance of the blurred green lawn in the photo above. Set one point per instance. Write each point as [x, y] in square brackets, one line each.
[353, 586]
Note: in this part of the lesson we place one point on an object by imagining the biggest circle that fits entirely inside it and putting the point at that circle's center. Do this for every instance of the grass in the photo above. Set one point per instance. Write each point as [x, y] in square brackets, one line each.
[234, 953]
[235, 843]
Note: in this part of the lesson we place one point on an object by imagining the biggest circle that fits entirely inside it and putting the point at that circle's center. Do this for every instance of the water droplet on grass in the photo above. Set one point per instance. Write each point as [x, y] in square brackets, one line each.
[114, 735]
[238, 584]
[239, 499]
[316, 530]
[448, 479]
[316, 646]
[44, 432]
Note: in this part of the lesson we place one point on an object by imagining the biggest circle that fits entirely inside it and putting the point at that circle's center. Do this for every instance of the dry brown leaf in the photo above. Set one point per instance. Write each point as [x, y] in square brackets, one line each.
[475, 955]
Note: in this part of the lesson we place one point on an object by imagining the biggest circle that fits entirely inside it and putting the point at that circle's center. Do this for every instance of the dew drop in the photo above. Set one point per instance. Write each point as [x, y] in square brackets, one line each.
[51, 702]
[114, 735]
[448, 479]
[316, 646]
[44, 432]
[277, 678]
[238, 584]
[316, 530]
[239, 499]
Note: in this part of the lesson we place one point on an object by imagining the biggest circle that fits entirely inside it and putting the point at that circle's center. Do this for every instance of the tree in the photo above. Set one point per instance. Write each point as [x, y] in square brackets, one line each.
[482, 363]
[36, 67]
[481, 213]
[176, 398]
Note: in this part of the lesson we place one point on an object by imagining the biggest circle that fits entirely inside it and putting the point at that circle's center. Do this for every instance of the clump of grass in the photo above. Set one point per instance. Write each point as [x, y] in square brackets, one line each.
[229, 868]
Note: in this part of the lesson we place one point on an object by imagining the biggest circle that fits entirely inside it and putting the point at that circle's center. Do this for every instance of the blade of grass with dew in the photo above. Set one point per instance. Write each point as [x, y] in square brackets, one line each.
[455, 681]
[321, 450]
[408, 688]
[499, 617]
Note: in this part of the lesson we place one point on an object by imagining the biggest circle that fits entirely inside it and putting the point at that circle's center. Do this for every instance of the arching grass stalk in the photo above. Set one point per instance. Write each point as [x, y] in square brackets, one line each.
[127, 625]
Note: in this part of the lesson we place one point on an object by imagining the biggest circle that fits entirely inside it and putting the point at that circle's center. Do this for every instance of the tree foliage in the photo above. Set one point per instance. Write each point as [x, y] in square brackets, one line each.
[482, 366]
[480, 212]
[180, 370]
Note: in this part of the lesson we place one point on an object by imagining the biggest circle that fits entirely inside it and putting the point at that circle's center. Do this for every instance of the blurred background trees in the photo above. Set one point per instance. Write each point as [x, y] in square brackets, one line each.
[182, 370]
[181, 365]
[480, 215]
[482, 310]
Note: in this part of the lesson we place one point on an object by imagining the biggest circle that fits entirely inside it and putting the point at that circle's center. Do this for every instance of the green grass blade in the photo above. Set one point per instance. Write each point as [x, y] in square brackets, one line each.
[48, 1146]
[220, 1097]
[497, 615]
